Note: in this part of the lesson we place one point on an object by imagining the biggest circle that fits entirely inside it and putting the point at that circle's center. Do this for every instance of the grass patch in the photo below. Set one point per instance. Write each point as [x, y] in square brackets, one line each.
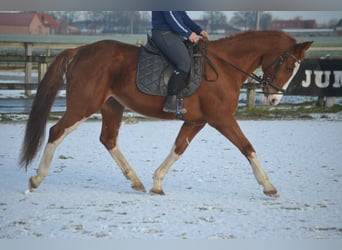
[302, 111]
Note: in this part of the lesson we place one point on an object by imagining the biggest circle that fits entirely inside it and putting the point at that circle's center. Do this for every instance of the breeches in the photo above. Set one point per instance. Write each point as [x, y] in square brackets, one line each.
[173, 47]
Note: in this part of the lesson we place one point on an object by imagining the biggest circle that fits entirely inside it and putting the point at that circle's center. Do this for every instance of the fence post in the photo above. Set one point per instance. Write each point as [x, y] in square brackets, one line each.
[320, 101]
[251, 94]
[42, 67]
[251, 86]
[28, 67]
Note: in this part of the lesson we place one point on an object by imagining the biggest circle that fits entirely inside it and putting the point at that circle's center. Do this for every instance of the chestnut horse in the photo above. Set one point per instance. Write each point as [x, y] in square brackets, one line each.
[102, 77]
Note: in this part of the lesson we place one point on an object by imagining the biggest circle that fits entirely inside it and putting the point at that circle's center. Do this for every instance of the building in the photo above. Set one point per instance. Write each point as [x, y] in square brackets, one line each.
[34, 24]
[22, 23]
[293, 24]
[298, 27]
[50, 23]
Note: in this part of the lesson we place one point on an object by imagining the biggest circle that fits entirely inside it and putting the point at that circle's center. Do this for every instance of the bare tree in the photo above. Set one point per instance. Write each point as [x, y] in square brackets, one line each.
[248, 19]
[217, 20]
[244, 19]
[127, 22]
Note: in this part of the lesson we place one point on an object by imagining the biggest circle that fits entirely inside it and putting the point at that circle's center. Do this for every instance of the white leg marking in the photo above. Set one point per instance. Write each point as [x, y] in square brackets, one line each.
[260, 175]
[45, 162]
[49, 151]
[120, 159]
[160, 173]
[126, 169]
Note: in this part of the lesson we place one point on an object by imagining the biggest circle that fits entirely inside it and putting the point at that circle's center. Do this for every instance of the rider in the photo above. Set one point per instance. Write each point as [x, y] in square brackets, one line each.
[169, 30]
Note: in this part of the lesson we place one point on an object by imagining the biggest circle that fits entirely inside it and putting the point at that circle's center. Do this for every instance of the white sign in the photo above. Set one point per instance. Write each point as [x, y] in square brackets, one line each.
[322, 78]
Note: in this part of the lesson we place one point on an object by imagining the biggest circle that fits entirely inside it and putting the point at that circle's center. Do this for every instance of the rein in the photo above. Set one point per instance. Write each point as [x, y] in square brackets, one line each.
[261, 80]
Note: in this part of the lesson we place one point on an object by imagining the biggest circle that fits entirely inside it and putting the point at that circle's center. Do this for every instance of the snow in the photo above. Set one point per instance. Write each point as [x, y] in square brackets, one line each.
[211, 192]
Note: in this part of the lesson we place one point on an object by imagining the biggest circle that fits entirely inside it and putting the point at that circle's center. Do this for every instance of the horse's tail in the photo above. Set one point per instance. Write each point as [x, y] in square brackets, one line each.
[46, 94]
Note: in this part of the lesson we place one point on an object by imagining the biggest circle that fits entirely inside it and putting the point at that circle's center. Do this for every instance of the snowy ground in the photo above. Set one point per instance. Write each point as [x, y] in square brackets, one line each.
[211, 192]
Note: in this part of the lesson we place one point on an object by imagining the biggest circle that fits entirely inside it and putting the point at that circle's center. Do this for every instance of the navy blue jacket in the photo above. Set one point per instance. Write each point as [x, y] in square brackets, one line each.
[176, 21]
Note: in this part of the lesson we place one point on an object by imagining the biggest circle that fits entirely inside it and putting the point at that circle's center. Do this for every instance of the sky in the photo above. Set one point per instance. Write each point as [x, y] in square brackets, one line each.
[319, 16]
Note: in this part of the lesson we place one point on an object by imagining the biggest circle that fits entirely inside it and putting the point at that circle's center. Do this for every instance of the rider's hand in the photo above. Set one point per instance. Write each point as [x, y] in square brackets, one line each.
[204, 34]
[193, 37]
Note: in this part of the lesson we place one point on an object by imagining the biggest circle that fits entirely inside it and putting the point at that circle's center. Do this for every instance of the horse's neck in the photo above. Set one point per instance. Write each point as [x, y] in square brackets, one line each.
[245, 53]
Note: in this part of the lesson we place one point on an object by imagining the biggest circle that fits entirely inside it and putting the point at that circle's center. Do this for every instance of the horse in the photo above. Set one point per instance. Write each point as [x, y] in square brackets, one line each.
[100, 77]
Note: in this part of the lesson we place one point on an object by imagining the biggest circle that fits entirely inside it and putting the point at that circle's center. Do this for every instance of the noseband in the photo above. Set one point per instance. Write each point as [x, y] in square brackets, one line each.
[266, 80]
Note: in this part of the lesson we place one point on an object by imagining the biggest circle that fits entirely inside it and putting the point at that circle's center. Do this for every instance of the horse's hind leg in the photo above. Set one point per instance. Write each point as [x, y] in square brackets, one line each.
[185, 135]
[57, 133]
[111, 119]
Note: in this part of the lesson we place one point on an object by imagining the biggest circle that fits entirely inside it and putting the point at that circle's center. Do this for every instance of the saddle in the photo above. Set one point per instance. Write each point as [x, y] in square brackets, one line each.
[154, 70]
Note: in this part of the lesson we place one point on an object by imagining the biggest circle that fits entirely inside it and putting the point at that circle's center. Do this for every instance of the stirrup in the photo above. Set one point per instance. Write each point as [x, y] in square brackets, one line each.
[170, 104]
[180, 106]
[174, 104]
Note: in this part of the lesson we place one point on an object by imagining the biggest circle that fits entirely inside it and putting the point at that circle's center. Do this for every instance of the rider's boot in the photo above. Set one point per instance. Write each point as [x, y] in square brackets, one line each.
[175, 85]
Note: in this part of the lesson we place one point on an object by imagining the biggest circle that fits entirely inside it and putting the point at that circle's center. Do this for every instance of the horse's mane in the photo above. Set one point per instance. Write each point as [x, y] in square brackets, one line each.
[250, 33]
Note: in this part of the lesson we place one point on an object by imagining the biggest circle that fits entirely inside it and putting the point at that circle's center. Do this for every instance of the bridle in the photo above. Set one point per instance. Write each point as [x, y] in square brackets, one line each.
[266, 80]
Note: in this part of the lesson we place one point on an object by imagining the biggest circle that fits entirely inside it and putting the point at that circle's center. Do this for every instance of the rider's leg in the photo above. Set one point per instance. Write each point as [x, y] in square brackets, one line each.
[173, 47]
[173, 89]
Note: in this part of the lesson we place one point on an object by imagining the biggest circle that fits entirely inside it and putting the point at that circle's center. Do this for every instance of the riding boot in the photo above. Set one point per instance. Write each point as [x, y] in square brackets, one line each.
[174, 87]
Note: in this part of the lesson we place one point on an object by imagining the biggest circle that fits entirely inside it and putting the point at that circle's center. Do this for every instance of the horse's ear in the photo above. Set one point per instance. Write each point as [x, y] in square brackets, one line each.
[304, 46]
[300, 49]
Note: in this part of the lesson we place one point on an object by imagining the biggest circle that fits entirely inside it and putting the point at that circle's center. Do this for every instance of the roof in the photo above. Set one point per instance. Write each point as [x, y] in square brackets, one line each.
[16, 19]
[294, 24]
[48, 20]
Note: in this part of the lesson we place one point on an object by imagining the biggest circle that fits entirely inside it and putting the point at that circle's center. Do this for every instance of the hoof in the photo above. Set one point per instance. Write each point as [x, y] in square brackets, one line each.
[32, 185]
[157, 192]
[271, 193]
[139, 187]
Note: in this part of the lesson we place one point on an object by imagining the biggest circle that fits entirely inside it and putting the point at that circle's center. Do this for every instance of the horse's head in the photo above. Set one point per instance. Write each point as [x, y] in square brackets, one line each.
[279, 68]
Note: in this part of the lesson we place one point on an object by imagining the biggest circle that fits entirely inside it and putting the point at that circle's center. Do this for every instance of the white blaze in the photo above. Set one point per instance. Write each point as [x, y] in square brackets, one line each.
[274, 99]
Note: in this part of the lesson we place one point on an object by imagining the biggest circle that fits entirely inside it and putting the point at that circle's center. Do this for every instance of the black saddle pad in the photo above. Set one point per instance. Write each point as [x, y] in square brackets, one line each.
[154, 71]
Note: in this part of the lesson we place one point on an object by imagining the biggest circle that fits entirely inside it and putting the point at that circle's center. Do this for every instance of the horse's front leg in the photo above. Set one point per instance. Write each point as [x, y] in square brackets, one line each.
[185, 136]
[230, 129]
[261, 176]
